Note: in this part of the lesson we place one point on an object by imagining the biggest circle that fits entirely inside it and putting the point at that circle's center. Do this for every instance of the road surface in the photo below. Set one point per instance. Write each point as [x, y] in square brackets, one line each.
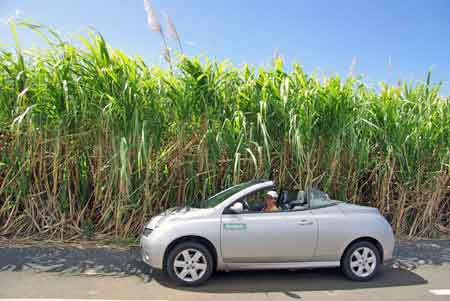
[421, 272]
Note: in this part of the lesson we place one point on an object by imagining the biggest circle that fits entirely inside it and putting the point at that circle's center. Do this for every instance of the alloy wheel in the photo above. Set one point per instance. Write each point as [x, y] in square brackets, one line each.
[190, 265]
[363, 262]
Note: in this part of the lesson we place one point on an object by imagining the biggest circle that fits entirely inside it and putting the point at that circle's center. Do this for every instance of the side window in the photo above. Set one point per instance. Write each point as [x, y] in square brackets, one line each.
[319, 199]
[295, 200]
[253, 202]
[303, 200]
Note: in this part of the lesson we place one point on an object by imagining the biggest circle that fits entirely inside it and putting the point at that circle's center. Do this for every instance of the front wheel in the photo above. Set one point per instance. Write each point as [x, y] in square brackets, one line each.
[189, 264]
[361, 261]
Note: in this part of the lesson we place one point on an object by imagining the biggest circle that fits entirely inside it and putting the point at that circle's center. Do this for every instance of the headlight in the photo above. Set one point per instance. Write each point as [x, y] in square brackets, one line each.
[147, 232]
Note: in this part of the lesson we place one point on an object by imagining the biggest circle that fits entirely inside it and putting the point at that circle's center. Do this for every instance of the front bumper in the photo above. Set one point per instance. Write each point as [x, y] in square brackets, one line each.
[145, 255]
[152, 250]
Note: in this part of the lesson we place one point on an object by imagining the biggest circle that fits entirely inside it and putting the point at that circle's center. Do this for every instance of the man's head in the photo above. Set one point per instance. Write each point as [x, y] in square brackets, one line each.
[270, 198]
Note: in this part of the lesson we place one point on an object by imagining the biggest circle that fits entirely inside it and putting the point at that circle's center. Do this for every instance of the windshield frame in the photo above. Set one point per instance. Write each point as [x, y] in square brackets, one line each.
[223, 195]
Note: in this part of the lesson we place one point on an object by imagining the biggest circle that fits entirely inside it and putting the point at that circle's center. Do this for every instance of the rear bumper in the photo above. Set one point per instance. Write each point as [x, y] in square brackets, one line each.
[388, 262]
[388, 257]
[388, 243]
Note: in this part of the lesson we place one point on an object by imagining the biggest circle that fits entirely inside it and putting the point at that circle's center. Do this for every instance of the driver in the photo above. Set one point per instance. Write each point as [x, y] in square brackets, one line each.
[270, 201]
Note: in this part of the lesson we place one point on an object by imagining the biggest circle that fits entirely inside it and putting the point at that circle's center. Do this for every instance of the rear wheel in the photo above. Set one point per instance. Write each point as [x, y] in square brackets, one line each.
[361, 261]
[189, 264]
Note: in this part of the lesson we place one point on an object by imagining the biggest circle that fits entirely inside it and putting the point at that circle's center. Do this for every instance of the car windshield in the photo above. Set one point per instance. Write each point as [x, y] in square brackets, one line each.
[223, 195]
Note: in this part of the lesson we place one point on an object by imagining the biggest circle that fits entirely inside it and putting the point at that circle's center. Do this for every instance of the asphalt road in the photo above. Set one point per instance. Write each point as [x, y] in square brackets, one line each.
[421, 272]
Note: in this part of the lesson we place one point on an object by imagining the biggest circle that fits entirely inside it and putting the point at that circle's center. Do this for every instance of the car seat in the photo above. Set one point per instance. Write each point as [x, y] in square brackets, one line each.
[297, 200]
[281, 202]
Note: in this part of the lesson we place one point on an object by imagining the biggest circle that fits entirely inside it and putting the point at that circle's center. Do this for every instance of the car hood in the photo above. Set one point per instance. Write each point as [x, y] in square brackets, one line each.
[177, 213]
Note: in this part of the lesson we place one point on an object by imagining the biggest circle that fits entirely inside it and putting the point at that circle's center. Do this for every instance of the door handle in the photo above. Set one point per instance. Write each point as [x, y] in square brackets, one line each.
[235, 226]
[305, 222]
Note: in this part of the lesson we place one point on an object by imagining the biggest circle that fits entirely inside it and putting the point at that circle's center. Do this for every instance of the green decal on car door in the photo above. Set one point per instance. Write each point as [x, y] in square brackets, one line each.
[235, 226]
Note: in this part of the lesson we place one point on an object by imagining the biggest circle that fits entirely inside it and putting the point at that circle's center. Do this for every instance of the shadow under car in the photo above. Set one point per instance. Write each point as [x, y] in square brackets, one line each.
[289, 281]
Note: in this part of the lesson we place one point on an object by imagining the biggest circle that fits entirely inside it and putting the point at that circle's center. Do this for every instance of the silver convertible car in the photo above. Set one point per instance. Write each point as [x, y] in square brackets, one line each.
[230, 231]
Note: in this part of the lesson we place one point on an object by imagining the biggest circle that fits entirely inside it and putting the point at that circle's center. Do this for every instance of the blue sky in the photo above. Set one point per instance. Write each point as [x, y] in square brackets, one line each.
[322, 36]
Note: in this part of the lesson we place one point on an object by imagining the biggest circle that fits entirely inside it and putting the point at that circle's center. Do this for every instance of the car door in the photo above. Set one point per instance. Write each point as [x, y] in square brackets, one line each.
[332, 230]
[266, 237]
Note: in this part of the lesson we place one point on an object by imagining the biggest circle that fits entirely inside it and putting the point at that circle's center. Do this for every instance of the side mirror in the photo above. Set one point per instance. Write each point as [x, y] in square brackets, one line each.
[237, 208]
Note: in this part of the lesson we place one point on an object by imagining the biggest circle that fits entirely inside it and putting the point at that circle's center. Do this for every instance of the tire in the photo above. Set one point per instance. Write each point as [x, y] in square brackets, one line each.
[189, 264]
[361, 261]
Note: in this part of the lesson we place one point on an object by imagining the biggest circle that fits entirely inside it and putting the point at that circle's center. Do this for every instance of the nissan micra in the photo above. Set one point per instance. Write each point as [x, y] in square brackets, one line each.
[231, 231]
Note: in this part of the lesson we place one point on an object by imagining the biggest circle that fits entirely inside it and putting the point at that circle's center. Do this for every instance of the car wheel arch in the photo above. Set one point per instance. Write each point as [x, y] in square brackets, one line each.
[370, 239]
[199, 239]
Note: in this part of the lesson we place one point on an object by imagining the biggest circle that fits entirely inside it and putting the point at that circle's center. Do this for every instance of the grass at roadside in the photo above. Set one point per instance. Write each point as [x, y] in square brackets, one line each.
[94, 142]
